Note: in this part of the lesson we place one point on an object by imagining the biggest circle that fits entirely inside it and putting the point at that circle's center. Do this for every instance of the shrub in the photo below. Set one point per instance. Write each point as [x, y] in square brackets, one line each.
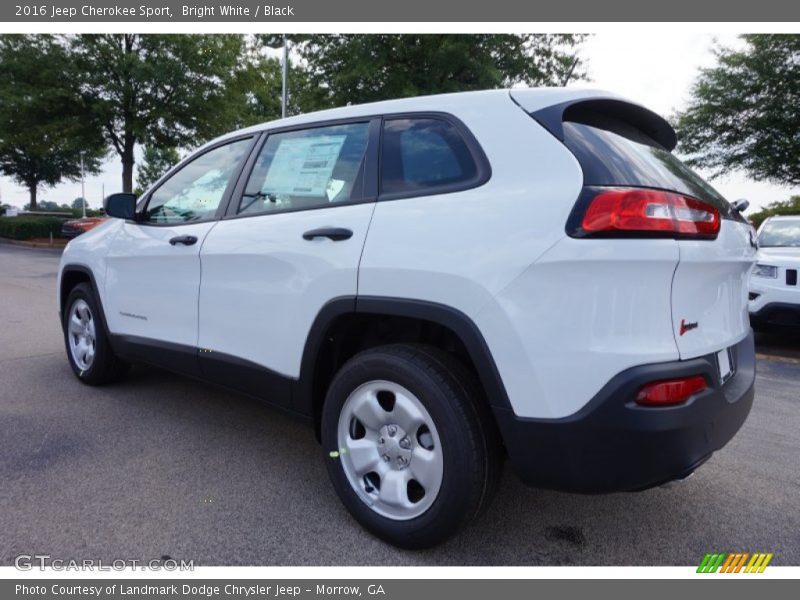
[26, 228]
[77, 213]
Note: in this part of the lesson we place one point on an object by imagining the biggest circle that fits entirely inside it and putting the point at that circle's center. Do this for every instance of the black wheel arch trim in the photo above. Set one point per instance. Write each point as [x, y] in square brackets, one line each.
[458, 322]
[63, 294]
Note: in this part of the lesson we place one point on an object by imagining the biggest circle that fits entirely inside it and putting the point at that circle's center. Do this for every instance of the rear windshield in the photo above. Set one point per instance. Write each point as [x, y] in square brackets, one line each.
[612, 152]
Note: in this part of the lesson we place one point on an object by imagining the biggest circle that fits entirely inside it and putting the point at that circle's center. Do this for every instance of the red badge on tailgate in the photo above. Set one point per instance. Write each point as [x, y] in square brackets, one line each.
[687, 326]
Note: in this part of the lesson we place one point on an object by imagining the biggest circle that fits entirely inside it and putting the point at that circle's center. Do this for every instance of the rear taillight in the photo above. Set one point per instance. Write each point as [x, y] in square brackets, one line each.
[670, 392]
[650, 213]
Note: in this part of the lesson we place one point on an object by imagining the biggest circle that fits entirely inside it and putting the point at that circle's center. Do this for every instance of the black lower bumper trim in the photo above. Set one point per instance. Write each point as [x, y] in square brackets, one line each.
[612, 444]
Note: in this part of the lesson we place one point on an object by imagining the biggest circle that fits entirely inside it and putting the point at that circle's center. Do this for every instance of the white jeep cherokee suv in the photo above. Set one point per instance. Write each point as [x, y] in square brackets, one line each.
[774, 289]
[436, 283]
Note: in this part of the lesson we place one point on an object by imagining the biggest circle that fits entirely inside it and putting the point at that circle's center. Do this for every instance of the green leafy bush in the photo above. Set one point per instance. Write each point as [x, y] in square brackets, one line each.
[26, 228]
[77, 213]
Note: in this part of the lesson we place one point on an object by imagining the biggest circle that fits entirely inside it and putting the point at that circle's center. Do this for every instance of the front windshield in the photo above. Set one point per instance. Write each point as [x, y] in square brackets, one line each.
[780, 234]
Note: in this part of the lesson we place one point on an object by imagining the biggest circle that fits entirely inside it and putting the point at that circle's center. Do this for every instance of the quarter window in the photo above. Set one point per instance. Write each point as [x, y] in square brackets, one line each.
[423, 155]
[196, 190]
[309, 168]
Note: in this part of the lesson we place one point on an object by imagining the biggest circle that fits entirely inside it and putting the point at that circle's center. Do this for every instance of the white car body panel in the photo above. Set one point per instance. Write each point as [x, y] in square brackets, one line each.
[710, 289]
[89, 251]
[151, 286]
[583, 312]
[263, 284]
[464, 247]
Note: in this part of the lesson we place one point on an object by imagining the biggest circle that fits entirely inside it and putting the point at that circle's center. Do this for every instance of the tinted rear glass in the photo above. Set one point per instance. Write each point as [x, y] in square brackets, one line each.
[424, 154]
[612, 153]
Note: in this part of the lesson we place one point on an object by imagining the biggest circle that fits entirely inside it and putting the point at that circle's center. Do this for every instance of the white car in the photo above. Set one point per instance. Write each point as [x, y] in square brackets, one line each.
[774, 290]
[436, 283]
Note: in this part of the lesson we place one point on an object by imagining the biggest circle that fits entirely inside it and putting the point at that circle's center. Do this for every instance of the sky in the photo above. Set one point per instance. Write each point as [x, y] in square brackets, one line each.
[653, 68]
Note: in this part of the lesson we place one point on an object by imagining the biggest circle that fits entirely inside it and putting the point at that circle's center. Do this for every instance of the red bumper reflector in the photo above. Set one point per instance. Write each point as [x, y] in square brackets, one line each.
[670, 392]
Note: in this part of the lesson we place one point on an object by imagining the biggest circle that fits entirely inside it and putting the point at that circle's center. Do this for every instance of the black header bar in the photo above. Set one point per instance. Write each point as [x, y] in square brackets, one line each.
[440, 11]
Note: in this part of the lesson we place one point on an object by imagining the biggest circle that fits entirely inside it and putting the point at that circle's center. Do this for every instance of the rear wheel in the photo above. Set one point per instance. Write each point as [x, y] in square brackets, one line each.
[86, 339]
[412, 452]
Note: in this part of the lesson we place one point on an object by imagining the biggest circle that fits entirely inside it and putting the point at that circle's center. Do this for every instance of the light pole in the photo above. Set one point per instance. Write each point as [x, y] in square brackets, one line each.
[83, 189]
[285, 77]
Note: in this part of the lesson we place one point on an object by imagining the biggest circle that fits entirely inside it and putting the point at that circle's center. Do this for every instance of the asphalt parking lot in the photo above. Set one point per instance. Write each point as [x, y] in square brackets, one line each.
[164, 466]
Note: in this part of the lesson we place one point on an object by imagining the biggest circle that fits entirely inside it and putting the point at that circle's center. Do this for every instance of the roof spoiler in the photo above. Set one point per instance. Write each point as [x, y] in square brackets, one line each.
[653, 125]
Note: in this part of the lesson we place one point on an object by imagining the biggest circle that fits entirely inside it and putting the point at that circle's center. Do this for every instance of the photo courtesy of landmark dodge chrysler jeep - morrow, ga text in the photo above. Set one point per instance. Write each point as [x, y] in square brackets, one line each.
[437, 283]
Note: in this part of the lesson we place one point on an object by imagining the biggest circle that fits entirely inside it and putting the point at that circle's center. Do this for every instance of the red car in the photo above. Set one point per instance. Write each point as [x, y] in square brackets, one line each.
[75, 227]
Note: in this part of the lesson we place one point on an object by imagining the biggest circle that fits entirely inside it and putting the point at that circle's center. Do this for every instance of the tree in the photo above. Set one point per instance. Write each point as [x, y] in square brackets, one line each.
[44, 125]
[780, 207]
[350, 69]
[79, 203]
[156, 161]
[256, 86]
[169, 90]
[745, 112]
[48, 205]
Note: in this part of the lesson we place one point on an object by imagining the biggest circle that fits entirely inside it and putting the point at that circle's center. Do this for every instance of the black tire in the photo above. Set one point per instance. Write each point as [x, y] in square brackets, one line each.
[472, 457]
[105, 367]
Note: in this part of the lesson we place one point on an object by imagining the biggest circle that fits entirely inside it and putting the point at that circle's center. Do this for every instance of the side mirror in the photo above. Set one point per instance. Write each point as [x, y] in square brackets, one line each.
[121, 206]
[741, 204]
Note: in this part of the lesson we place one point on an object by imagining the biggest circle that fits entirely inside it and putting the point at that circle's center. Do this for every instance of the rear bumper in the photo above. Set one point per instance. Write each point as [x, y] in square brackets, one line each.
[612, 444]
[782, 314]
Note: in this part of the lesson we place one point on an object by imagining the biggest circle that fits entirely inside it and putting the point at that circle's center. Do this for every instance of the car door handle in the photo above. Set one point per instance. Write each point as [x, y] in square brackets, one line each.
[337, 234]
[186, 240]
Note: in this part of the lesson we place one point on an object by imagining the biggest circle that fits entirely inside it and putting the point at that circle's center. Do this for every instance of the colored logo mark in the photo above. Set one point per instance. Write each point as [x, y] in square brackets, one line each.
[743, 562]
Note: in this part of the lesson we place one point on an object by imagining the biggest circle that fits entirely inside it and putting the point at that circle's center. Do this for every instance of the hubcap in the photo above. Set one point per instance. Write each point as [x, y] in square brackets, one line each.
[394, 446]
[81, 332]
[390, 450]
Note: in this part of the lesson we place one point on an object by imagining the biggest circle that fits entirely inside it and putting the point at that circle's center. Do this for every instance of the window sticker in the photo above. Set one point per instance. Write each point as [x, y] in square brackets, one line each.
[303, 166]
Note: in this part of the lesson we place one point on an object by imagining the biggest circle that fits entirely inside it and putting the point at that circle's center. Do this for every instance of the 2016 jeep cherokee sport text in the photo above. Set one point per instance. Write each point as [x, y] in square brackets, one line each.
[436, 283]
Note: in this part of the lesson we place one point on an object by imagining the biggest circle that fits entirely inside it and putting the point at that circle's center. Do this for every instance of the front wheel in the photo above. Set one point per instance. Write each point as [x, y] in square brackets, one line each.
[86, 339]
[411, 449]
